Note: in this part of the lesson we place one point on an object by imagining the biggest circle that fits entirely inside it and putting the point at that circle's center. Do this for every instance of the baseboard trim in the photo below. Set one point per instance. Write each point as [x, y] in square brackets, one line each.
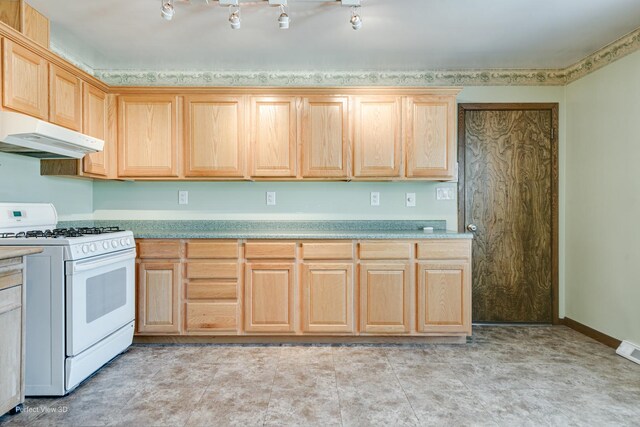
[591, 333]
[299, 340]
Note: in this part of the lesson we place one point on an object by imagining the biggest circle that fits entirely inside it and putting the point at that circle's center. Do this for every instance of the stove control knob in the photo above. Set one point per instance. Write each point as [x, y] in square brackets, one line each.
[85, 248]
[114, 243]
[105, 245]
[128, 241]
[92, 247]
[122, 242]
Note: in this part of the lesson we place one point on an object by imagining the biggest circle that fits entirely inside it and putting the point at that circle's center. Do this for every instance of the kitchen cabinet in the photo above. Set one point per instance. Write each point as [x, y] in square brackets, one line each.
[269, 297]
[273, 136]
[214, 136]
[377, 136]
[385, 297]
[65, 98]
[325, 137]
[25, 80]
[430, 136]
[158, 297]
[98, 120]
[327, 297]
[148, 136]
[22, 17]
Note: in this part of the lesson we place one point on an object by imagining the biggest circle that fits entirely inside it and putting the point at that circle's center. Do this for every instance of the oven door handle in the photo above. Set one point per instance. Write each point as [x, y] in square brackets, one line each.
[79, 266]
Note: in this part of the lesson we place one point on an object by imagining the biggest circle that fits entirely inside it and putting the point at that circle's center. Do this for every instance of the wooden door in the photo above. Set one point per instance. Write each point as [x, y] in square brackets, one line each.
[377, 129]
[327, 297]
[444, 297]
[325, 141]
[25, 78]
[159, 297]
[508, 192]
[147, 136]
[269, 297]
[65, 98]
[95, 124]
[430, 137]
[273, 136]
[385, 298]
[214, 136]
[11, 356]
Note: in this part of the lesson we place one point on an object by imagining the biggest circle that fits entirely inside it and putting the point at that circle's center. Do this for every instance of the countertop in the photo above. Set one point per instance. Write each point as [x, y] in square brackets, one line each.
[294, 230]
[16, 251]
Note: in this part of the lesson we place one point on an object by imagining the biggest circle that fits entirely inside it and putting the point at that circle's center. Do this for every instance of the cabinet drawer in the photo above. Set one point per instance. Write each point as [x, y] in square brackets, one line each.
[159, 249]
[212, 270]
[204, 316]
[211, 290]
[10, 299]
[256, 250]
[444, 249]
[341, 250]
[385, 250]
[10, 278]
[209, 249]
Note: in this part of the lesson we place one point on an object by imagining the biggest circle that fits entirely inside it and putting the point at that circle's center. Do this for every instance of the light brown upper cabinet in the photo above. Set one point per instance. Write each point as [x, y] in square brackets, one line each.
[95, 123]
[377, 136]
[429, 136]
[148, 136]
[214, 136]
[65, 98]
[273, 136]
[325, 141]
[25, 80]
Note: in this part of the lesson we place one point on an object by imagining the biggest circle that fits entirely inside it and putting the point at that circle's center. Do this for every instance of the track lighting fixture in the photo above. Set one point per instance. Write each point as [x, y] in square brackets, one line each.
[283, 19]
[166, 9]
[356, 21]
[234, 17]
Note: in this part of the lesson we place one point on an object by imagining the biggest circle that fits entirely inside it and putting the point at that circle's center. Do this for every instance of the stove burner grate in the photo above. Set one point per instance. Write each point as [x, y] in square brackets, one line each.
[58, 233]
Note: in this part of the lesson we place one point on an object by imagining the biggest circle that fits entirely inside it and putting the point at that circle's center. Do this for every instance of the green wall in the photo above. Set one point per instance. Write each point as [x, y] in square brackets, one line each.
[603, 200]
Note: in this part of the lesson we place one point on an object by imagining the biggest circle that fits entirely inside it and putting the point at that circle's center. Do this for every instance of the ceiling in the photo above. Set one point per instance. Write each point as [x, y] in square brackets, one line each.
[396, 35]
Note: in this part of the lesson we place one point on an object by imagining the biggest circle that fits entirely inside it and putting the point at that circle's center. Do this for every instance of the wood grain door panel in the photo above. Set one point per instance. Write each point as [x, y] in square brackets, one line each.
[158, 297]
[269, 297]
[65, 98]
[95, 124]
[273, 136]
[385, 298]
[327, 293]
[25, 79]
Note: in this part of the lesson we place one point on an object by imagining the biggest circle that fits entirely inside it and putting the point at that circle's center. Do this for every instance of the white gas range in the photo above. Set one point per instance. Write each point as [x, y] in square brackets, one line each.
[80, 296]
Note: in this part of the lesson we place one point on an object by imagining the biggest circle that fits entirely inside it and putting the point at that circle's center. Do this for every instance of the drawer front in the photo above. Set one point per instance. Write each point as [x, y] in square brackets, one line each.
[166, 249]
[266, 250]
[211, 290]
[10, 261]
[209, 249]
[385, 250]
[212, 270]
[204, 316]
[340, 250]
[10, 299]
[444, 249]
[10, 278]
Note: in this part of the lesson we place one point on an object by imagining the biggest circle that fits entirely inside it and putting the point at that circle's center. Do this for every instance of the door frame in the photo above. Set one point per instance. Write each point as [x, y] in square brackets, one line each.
[553, 108]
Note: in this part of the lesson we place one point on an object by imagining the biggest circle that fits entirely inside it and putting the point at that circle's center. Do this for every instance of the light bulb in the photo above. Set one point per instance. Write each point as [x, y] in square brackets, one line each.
[283, 21]
[234, 18]
[166, 9]
[356, 21]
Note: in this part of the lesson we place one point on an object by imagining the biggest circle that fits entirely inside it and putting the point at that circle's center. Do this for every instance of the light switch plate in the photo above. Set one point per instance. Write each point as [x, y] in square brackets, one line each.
[375, 198]
[271, 198]
[445, 193]
[183, 197]
[410, 200]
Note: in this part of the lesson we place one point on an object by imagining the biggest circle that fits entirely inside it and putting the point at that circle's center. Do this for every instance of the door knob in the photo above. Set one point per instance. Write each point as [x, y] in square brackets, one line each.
[472, 228]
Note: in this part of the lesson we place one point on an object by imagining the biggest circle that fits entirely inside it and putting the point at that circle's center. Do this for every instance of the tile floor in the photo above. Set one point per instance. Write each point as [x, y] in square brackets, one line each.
[508, 376]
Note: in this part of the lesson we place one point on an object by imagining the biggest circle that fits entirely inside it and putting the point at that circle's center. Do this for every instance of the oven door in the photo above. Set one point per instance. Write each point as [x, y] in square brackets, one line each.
[100, 293]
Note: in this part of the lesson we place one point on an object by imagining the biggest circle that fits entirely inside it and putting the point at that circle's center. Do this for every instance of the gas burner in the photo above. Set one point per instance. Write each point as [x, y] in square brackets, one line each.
[98, 230]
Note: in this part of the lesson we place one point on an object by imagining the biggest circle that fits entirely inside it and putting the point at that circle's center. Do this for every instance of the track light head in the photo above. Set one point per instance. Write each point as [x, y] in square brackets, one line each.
[356, 20]
[166, 9]
[234, 17]
[283, 19]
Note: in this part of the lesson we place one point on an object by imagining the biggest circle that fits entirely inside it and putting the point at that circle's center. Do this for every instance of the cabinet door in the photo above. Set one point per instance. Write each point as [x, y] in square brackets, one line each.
[325, 141]
[327, 297]
[147, 136]
[25, 81]
[385, 298]
[269, 297]
[273, 136]
[377, 148]
[158, 297]
[95, 123]
[65, 98]
[444, 297]
[429, 133]
[10, 348]
[214, 136]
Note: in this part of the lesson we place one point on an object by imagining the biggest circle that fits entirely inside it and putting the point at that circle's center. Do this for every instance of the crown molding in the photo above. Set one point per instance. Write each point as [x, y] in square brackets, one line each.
[492, 77]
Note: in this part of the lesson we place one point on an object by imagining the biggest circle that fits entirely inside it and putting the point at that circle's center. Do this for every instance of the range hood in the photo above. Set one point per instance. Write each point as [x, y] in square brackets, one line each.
[26, 135]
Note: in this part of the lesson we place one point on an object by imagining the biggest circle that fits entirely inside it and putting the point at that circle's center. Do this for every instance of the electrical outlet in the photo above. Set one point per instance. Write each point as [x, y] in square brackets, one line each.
[445, 193]
[271, 198]
[183, 197]
[375, 198]
[410, 200]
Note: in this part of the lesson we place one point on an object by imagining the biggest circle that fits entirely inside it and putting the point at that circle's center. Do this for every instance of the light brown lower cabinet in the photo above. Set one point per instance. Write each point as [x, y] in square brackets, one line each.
[385, 297]
[269, 297]
[158, 297]
[327, 298]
